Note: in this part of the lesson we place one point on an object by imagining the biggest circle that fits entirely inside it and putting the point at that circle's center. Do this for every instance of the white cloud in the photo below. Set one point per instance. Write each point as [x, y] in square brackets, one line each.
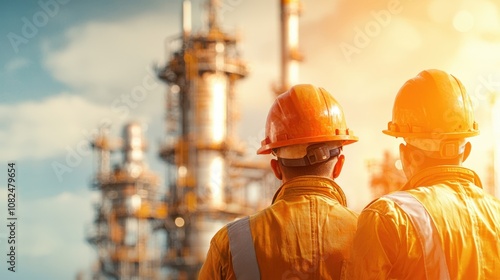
[42, 129]
[16, 63]
[105, 59]
[110, 63]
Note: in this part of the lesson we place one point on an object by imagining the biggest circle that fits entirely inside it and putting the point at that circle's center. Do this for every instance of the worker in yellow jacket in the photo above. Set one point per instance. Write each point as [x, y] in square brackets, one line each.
[441, 224]
[307, 231]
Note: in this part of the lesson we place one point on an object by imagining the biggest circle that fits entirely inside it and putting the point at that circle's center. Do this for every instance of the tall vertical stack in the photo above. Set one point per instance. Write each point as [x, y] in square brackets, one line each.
[290, 54]
[203, 156]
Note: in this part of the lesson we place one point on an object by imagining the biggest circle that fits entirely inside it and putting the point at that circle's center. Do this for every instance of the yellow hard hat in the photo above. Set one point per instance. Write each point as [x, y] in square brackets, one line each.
[305, 114]
[433, 105]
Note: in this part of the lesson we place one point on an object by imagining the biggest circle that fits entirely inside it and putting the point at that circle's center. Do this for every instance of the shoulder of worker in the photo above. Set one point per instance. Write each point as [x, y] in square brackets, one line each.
[221, 240]
[382, 206]
[218, 264]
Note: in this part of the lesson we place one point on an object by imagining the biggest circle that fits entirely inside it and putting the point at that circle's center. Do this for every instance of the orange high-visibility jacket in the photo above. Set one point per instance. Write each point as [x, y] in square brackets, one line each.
[442, 225]
[306, 233]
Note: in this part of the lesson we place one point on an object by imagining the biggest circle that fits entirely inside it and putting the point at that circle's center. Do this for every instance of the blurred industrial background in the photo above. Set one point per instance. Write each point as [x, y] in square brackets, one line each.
[208, 181]
[135, 125]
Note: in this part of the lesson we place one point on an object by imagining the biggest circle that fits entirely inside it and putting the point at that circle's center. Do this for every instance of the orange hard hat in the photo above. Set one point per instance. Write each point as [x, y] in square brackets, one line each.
[433, 105]
[305, 114]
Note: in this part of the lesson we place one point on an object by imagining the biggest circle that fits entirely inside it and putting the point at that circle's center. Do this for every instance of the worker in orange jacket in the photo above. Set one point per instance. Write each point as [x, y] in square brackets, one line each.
[307, 231]
[441, 224]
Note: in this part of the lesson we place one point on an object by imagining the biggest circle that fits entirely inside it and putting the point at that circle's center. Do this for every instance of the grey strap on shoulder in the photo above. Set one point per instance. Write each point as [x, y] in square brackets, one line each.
[245, 264]
[434, 258]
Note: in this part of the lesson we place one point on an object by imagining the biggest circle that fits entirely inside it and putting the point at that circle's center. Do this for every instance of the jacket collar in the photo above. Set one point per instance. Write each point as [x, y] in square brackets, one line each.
[431, 175]
[307, 185]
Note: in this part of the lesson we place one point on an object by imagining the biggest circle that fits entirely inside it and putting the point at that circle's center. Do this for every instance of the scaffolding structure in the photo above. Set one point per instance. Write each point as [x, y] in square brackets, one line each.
[209, 182]
[128, 210]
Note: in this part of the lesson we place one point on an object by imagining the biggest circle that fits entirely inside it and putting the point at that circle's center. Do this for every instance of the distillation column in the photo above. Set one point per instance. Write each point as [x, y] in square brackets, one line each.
[200, 144]
[290, 55]
[129, 210]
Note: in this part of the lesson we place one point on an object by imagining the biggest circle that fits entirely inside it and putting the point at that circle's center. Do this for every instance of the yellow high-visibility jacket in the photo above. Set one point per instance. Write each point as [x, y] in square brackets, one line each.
[306, 233]
[442, 225]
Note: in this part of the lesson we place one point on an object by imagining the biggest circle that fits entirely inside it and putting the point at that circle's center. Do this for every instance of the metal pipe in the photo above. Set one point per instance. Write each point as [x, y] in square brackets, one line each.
[134, 144]
[213, 16]
[186, 18]
[290, 55]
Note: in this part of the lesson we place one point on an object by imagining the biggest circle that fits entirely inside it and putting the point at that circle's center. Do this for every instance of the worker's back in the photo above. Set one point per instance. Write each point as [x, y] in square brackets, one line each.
[396, 239]
[304, 235]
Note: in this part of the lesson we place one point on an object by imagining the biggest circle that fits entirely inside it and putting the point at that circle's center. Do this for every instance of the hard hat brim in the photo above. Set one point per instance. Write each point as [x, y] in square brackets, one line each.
[345, 139]
[432, 135]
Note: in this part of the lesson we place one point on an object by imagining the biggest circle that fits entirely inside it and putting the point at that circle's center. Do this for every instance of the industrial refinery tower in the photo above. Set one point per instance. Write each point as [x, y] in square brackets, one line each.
[208, 182]
[289, 45]
[128, 211]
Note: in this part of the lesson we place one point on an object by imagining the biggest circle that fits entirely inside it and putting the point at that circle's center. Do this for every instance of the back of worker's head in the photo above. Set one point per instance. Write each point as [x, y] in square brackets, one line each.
[434, 115]
[306, 130]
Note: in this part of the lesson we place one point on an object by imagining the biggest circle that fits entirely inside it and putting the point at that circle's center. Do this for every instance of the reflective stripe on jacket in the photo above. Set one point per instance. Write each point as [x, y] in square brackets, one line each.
[387, 244]
[245, 264]
[305, 234]
[427, 233]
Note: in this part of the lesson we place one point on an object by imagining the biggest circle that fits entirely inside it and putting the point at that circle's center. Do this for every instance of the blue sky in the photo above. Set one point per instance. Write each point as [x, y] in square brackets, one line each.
[71, 70]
